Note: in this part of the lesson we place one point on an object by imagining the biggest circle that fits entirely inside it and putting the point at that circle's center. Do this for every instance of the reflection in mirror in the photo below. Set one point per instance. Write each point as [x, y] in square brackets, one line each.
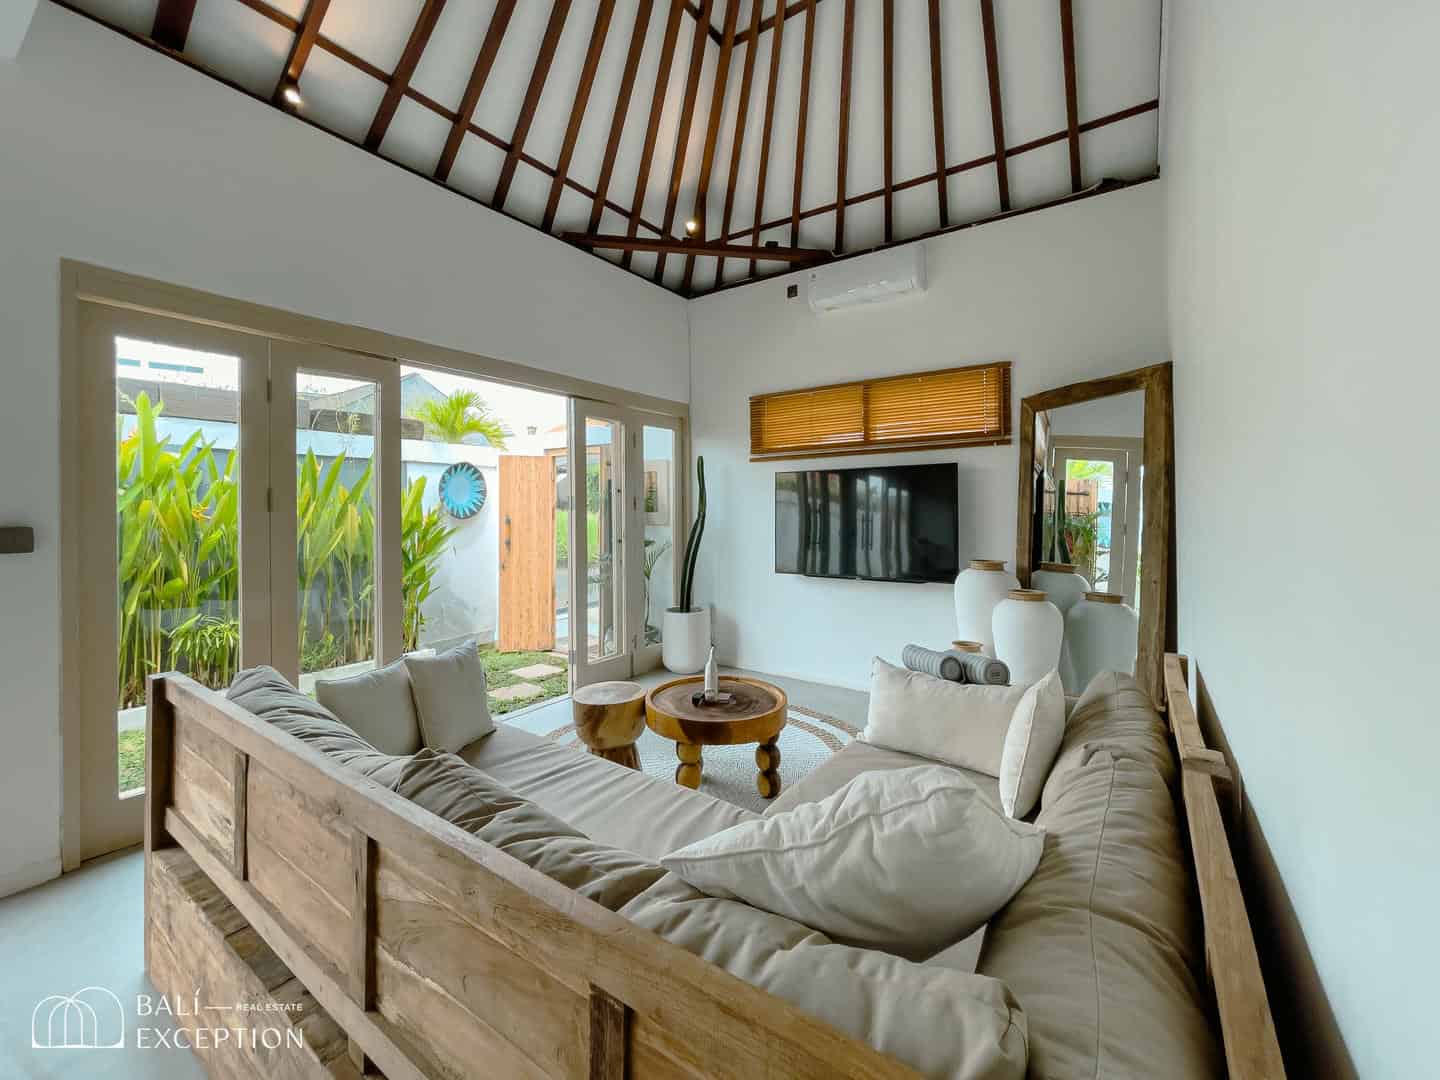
[1086, 529]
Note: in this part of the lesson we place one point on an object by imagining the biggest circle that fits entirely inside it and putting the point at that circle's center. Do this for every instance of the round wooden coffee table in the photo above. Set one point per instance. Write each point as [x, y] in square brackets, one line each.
[756, 714]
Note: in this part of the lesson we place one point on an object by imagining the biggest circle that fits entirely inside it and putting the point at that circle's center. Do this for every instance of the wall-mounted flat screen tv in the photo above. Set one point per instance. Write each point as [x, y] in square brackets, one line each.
[889, 523]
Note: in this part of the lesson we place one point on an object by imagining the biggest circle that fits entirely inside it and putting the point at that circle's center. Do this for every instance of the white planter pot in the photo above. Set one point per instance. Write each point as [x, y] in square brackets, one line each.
[1103, 633]
[1029, 631]
[1065, 588]
[982, 585]
[685, 640]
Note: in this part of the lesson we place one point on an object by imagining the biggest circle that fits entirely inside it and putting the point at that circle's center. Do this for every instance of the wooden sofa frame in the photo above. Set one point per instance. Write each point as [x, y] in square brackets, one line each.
[429, 947]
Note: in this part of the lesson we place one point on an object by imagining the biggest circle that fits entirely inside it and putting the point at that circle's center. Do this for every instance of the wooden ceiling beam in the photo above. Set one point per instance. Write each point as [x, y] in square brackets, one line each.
[171, 27]
[682, 134]
[694, 10]
[887, 48]
[842, 155]
[953, 170]
[1072, 103]
[675, 245]
[775, 45]
[598, 33]
[652, 129]
[997, 113]
[712, 133]
[300, 48]
[622, 109]
[802, 120]
[770, 21]
[404, 71]
[479, 75]
[737, 142]
[543, 59]
[937, 99]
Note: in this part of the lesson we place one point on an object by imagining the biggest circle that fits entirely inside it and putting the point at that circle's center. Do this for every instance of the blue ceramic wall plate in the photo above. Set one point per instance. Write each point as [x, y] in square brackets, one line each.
[462, 490]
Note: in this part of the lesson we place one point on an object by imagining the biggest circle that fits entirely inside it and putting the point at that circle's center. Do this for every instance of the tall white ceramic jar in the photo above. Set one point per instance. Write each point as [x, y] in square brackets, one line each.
[1028, 633]
[980, 586]
[1065, 587]
[1103, 634]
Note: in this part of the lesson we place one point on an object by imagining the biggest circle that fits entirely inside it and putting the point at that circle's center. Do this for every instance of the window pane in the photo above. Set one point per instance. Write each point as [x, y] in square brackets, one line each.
[604, 537]
[658, 494]
[335, 523]
[1090, 520]
[177, 520]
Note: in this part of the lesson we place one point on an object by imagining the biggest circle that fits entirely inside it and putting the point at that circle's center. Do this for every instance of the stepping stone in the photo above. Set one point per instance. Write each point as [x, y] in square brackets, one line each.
[538, 671]
[516, 692]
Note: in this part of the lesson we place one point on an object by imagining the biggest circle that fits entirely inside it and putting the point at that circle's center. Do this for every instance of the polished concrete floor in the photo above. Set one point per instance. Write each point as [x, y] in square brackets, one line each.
[84, 930]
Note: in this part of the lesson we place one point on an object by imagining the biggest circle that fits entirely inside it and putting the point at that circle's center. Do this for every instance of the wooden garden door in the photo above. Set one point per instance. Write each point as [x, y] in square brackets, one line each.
[527, 554]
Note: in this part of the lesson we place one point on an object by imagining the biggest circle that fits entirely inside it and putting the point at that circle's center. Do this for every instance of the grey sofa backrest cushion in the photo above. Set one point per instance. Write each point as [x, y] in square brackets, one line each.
[1101, 946]
[944, 1023]
[1115, 715]
[267, 694]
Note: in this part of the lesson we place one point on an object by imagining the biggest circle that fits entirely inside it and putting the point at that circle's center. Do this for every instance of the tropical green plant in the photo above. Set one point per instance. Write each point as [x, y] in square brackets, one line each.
[423, 540]
[459, 414]
[177, 528]
[654, 552]
[692, 546]
[177, 536]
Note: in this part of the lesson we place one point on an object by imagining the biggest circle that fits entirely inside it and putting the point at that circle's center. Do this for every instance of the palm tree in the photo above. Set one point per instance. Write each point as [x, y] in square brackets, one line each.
[459, 414]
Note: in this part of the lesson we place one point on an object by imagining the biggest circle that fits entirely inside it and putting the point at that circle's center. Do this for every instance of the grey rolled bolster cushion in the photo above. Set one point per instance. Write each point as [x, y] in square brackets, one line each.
[982, 670]
[956, 666]
[942, 665]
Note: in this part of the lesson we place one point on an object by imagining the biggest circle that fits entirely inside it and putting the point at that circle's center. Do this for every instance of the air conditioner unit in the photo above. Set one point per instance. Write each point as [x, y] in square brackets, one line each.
[868, 279]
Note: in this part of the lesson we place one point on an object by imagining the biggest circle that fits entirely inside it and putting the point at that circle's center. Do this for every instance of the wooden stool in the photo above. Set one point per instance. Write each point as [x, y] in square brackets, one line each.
[609, 717]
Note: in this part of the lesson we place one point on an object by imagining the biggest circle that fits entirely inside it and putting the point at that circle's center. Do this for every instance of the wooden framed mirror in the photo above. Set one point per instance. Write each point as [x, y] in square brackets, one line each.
[1097, 485]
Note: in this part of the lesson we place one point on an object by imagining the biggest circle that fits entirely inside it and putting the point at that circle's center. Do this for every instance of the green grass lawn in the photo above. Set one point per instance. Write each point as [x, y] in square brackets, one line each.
[498, 673]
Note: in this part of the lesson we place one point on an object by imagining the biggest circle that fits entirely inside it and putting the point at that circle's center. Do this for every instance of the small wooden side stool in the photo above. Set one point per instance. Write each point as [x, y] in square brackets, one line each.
[609, 717]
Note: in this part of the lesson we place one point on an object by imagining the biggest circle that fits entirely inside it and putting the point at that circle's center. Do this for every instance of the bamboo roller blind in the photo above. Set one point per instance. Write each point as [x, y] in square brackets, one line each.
[957, 407]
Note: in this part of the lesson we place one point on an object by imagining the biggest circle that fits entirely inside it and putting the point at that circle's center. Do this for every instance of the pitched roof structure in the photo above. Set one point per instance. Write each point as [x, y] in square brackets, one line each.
[702, 143]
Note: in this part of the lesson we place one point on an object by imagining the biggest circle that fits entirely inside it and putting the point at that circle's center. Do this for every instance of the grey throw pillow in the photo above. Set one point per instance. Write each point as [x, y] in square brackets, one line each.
[449, 691]
[378, 705]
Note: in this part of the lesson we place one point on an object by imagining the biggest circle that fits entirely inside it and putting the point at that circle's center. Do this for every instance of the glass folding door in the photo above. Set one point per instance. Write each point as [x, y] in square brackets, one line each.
[336, 577]
[171, 538]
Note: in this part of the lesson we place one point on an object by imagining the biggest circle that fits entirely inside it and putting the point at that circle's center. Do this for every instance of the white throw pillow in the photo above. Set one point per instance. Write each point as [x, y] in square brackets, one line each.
[1031, 744]
[907, 860]
[958, 723]
[378, 705]
[449, 691]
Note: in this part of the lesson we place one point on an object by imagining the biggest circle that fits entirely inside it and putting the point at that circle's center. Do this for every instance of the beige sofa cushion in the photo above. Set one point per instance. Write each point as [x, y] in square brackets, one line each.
[909, 861]
[1101, 945]
[479, 804]
[941, 1022]
[613, 804]
[861, 757]
[377, 704]
[1115, 715]
[944, 1023]
[267, 694]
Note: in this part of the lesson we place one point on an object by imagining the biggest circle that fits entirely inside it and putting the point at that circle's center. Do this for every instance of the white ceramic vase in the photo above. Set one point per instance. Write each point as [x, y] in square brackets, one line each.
[980, 586]
[1064, 586]
[1028, 632]
[685, 640]
[1102, 633]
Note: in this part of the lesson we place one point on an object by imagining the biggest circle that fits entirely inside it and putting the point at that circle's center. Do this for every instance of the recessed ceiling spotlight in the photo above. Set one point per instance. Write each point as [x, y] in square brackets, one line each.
[691, 226]
[291, 94]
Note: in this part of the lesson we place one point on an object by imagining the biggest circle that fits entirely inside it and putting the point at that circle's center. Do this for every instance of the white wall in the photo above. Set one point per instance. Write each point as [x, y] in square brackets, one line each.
[1067, 294]
[1123, 415]
[1301, 157]
[111, 154]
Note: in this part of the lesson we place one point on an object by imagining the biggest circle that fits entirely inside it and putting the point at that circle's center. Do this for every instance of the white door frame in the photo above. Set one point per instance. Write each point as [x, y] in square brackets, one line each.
[109, 820]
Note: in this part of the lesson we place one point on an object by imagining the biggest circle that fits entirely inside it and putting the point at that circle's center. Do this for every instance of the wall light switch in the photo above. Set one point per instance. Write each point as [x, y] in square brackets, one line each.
[792, 291]
[16, 539]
